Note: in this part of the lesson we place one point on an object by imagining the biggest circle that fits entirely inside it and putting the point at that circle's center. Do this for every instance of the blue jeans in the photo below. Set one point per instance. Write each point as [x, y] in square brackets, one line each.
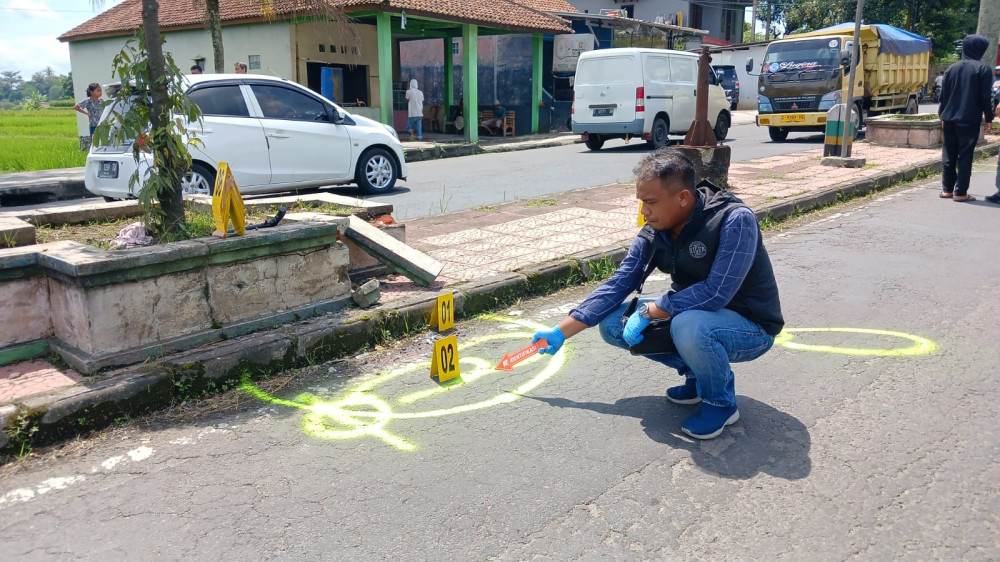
[418, 123]
[707, 342]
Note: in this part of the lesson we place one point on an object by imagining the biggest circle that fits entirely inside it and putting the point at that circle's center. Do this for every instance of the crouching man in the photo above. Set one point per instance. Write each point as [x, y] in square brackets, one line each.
[723, 304]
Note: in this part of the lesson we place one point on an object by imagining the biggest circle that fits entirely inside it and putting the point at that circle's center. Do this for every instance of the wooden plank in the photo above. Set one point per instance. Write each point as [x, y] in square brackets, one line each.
[392, 253]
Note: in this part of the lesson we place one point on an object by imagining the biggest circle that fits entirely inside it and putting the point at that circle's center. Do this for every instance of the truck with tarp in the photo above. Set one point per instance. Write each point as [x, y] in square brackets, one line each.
[804, 75]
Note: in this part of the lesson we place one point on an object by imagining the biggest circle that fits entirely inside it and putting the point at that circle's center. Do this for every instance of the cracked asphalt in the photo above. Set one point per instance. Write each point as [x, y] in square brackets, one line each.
[866, 455]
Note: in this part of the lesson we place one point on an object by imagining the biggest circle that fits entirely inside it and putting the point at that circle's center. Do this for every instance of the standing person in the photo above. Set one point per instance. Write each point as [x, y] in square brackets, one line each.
[195, 69]
[965, 103]
[723, 304]
[938, 80]
[240, 67]
[92, 106]
[995, 198]
[415, 111]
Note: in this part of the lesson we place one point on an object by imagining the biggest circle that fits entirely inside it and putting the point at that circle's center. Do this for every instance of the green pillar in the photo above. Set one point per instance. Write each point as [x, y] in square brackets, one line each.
[536, 79]
[470, 80]
[384, 26]
[449, 76]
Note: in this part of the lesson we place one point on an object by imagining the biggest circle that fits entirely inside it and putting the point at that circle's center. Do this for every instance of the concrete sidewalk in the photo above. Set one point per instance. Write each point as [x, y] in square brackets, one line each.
[492, 256]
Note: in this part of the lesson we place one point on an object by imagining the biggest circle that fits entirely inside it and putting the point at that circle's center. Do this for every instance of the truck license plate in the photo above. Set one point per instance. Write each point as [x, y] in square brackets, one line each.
[108, 170]
[793, 118]
[604, 112]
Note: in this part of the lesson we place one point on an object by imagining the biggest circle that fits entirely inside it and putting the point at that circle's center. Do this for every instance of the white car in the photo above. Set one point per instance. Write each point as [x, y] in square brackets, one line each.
[275, 134]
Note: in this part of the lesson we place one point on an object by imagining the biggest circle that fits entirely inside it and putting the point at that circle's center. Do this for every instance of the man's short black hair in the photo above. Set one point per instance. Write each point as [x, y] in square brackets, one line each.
[195, 67]
[664, 164]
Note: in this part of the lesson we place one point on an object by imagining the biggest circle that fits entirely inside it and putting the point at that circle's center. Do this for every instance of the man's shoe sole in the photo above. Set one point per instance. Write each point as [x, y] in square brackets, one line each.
[694, 400]
[732, 419]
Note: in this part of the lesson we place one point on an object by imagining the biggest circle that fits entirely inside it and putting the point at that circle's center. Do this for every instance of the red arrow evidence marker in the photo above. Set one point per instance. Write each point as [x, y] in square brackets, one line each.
[508, 361]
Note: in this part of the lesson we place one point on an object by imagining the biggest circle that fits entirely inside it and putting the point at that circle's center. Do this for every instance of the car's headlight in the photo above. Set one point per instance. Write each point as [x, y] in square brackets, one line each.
[829, 100]
[391, 130]
[764, 104]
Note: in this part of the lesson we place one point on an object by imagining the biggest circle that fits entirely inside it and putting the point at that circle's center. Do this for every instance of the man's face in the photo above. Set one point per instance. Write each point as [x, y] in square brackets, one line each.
[665, 205]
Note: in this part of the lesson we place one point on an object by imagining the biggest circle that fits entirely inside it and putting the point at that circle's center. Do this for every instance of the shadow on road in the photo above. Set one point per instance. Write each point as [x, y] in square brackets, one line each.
[763, 440]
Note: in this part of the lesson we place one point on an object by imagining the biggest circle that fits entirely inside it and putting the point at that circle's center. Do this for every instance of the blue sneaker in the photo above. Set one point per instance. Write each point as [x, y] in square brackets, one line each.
[708, 421]
[687, 393]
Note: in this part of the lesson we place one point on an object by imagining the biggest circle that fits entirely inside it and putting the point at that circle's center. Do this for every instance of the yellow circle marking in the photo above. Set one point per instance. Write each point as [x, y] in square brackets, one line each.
[361, 412]
[920, 346]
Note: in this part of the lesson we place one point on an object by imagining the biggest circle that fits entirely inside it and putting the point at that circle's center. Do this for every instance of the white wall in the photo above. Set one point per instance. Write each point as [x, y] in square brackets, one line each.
[748, 84]
[90, 60]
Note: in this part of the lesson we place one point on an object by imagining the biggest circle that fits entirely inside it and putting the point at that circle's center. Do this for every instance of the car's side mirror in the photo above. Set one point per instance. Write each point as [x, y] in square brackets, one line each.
[749, 65]
[333, 115]
[845, 58]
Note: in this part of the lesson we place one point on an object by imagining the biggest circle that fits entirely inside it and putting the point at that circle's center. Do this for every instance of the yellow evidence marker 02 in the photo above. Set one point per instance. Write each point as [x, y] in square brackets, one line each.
[444, 362]
[641, 221]
[443, 315]
[227, 203]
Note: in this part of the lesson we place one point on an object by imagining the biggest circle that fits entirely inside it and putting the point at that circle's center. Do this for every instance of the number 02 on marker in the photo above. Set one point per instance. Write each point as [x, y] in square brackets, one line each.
[444, 363]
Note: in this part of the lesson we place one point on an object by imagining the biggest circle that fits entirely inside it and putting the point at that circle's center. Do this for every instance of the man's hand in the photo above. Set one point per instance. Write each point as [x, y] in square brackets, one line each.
[633, 328]
[553, 336]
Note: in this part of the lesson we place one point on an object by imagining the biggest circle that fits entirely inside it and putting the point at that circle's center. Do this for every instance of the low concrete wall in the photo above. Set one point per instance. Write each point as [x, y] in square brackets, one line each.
[104, 308]
[888, 131]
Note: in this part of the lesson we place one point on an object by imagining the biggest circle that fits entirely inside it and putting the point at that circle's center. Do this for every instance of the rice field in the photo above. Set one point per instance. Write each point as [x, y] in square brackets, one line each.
[39, 140]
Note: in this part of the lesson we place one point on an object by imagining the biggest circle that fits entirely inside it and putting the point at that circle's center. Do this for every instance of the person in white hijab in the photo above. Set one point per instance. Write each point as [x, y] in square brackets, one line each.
[415, 113]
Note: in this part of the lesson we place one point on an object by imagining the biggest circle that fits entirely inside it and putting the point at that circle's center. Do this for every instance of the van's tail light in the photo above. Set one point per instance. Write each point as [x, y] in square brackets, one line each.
[640, 99]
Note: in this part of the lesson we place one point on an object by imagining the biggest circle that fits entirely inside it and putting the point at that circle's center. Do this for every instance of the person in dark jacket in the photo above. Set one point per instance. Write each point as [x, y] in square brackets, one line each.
[965, 104]
[723, 303]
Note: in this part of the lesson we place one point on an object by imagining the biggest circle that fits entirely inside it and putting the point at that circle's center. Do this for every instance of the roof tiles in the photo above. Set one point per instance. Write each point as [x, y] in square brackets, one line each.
[520, 15]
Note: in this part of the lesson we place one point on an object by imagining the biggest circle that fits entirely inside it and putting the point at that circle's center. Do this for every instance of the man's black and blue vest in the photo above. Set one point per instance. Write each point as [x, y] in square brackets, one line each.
[689, 258]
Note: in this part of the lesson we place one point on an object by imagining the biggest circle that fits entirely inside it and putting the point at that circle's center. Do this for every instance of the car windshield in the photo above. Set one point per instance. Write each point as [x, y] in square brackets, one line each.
[805, 54]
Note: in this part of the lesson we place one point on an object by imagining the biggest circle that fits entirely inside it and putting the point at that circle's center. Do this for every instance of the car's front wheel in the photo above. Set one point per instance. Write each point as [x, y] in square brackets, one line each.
[722, 126]
[376, 172]
[200, 180]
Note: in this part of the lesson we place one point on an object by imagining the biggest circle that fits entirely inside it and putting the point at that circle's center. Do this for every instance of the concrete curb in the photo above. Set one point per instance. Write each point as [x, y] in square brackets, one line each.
[99, 401]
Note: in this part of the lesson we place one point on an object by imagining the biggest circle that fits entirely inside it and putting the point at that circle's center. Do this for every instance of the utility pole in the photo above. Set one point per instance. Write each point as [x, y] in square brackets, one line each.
[989, 27]
[767, 28]
[845, 150]
[753, 23]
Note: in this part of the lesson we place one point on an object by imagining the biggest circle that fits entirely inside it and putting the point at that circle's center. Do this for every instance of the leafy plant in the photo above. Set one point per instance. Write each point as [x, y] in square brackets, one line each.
[151, 113]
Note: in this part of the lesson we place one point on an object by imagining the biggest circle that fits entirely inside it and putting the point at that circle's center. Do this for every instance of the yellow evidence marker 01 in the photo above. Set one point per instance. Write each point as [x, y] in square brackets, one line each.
[444, 362]
[443, 315]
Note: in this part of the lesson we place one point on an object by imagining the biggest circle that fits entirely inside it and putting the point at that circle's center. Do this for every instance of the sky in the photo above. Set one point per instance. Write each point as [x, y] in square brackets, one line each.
[29, 28]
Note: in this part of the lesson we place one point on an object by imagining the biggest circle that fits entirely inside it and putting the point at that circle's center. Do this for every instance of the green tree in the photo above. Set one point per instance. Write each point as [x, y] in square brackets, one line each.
[942, 21]
[151, 113]
[10, 81]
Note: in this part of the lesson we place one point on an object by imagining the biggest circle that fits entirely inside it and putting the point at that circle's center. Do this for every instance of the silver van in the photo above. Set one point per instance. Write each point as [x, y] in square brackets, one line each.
[645, 93]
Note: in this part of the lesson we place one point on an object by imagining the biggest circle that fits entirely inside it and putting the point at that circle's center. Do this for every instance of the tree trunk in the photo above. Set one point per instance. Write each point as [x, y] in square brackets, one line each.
[171, 202]
[989, 27]
[215, 30]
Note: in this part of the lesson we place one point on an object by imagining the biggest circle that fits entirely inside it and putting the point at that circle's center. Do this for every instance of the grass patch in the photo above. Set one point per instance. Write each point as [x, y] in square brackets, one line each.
[905, 117]
[487, 208]
[540, 202]
[39, 140]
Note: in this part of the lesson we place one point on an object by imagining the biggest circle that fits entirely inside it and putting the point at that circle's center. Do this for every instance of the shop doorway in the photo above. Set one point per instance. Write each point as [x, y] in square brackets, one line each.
[346, 84]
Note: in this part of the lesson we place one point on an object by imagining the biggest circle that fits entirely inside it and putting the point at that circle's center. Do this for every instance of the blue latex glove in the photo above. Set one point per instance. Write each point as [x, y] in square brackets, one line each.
[553, 336]
[633, 328]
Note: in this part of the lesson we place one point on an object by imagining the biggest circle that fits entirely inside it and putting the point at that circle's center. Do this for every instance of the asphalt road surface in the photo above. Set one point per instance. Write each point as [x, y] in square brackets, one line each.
[852, 443]
[435, 187]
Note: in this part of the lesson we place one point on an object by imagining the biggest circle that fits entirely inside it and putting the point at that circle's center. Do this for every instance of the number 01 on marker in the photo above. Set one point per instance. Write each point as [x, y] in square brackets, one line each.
[443, 315]
[444, 363]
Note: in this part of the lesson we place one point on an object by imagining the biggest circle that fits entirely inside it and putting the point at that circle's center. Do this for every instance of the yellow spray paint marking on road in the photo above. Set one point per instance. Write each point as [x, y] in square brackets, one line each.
[361, 412]
[920, 346]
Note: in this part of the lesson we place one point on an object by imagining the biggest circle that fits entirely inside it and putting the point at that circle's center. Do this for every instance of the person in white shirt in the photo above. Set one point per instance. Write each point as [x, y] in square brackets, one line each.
[415, 111]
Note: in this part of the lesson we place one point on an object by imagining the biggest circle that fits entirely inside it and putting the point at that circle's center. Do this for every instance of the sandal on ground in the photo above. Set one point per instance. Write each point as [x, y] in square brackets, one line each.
[963, 199]
[945, 195]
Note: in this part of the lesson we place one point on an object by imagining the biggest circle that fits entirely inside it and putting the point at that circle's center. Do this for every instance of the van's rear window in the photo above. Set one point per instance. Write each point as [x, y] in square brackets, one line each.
[605, 70]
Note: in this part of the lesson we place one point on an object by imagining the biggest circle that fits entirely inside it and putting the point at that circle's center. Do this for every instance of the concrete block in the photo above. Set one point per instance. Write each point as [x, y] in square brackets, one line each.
[15, 232]
[412, 263]
[367, 294]
[26, 301]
